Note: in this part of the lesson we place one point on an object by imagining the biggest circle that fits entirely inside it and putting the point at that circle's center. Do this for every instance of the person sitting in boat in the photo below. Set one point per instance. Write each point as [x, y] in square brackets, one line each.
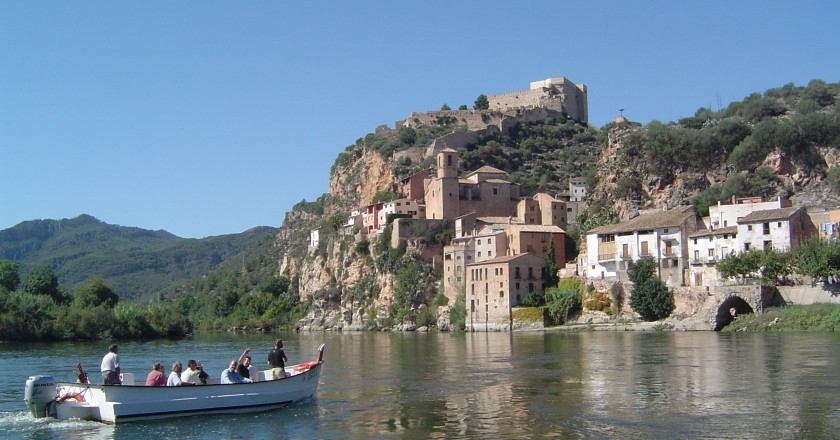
[202, 375]
[230, 375]
[155, 377]
[191, 374]
[277, 359]
[175, 376]
[246, 369]
[111, 366]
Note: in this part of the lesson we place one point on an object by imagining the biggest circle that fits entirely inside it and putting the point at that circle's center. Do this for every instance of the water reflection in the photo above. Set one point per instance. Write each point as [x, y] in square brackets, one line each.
[480, 385]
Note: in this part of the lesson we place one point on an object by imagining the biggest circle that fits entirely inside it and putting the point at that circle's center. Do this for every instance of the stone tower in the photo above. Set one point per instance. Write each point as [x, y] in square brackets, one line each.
[442, 192]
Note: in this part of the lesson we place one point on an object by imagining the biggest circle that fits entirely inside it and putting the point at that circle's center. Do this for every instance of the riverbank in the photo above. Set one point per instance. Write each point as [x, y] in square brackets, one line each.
[812, 317]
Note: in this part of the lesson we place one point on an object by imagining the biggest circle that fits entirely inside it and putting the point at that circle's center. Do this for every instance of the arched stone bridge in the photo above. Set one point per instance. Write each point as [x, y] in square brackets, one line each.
[731, 301]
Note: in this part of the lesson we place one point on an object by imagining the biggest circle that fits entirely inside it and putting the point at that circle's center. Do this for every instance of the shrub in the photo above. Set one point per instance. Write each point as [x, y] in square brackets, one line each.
[565, 300]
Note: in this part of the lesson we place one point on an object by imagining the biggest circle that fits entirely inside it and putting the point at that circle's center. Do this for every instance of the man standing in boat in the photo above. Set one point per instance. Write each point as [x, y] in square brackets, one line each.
[277, 359]
[111, 366]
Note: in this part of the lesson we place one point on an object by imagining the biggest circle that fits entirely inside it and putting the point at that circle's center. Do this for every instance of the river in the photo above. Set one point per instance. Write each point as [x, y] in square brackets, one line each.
[484, 385]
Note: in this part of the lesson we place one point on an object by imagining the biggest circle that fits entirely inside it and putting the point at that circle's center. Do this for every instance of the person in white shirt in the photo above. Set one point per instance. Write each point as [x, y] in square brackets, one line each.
[191, 374]
[111, 366]
[175, 376]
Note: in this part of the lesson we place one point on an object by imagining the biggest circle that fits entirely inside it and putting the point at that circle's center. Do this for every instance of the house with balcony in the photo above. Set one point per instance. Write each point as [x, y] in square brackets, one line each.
[661, 235]
[494, 287]
[705, 248]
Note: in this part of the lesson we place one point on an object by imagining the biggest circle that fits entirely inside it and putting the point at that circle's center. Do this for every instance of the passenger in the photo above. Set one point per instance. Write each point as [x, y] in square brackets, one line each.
[190, 375]
[155, 377]
[230, 375]
[245, 368]
[111, 366]
[277, 359]
[175, 376]
[202, 375]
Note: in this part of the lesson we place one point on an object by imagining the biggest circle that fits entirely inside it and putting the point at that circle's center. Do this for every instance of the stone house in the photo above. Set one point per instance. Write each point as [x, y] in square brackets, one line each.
[495, 286]
[535, 240]
[468, 250]
[483, 192]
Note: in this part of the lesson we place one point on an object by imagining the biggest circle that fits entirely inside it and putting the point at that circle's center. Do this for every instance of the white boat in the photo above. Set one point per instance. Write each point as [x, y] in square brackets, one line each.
[133, 402]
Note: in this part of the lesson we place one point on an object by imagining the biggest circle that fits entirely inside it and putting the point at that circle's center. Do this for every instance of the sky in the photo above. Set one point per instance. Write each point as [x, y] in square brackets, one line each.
[206, 118]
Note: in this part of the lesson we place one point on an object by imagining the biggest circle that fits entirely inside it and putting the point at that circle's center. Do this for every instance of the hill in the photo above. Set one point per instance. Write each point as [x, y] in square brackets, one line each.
[784, 141]
[138, 264]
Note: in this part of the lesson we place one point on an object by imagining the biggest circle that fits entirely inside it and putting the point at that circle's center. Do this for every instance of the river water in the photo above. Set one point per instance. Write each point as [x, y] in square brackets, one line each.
[484, 385]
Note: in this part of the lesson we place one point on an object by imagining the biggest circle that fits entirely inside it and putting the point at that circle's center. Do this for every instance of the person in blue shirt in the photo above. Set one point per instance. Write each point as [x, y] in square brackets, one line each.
[230, 375]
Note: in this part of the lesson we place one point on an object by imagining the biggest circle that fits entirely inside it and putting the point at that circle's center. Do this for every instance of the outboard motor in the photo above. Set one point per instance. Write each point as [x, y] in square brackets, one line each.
[39, 395]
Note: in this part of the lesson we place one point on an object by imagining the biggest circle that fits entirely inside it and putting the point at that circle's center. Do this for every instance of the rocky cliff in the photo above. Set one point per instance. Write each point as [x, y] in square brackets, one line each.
[784, 142]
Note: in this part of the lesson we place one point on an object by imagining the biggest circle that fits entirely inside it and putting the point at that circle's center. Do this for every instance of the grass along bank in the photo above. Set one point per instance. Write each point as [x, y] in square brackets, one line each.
[814, 317]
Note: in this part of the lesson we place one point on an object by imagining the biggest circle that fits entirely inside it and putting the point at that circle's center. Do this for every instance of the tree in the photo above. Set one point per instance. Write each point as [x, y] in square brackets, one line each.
[650, 297]
[445, 107]
[463, 107]
[481, 103]
[9, 277]
[551, 278]
[95, 293]
[42, 281]
[739, 265]
[817, 259]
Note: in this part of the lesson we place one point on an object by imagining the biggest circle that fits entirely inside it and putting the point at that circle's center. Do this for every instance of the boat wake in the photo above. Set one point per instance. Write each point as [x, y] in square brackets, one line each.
[21, 425]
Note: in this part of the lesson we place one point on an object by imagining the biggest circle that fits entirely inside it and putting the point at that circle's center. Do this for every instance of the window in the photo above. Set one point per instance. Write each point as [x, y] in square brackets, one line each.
[779, 224]
[749, 227]
[530, 272]
[489, 253]
[501, 271]
[711, 252]
[766, 228]
[501, 294]
[501, 284]
[664, 264]
[479, 241]
[665, 231]
[517, 286]
[746, 246]
[488, 241]
[479, 254]
[495, 191]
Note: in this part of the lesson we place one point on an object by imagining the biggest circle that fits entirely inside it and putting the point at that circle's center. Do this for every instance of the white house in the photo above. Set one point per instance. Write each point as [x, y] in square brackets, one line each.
[782, 229]
[661, 235]
[706, 248]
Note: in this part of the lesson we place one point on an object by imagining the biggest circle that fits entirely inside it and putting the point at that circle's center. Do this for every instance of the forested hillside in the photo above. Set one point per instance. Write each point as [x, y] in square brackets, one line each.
[138, 264]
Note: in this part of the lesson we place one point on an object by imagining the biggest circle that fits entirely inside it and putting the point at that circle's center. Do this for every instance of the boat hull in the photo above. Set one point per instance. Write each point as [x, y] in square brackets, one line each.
[126, 403]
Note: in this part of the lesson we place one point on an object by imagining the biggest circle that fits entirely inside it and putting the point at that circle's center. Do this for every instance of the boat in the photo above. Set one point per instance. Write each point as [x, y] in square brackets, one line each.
[130, 402]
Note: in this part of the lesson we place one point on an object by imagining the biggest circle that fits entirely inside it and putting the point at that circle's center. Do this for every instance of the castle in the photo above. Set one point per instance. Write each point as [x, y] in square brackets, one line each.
[558, 94]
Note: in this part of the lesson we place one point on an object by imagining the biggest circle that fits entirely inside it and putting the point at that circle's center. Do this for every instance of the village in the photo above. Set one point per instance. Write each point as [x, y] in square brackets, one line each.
[503, 238]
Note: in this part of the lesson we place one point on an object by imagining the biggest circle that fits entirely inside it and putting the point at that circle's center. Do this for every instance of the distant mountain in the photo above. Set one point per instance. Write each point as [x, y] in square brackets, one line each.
[137, 263]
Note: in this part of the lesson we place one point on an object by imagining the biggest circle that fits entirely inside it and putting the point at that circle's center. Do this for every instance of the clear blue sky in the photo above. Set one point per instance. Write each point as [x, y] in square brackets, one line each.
[208, 118]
